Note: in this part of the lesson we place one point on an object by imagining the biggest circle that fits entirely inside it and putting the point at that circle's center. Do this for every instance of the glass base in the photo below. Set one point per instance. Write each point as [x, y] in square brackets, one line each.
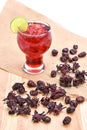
[35, 70]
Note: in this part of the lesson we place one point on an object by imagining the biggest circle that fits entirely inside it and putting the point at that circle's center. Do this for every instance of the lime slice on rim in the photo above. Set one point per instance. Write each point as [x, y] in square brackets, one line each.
[18, 24]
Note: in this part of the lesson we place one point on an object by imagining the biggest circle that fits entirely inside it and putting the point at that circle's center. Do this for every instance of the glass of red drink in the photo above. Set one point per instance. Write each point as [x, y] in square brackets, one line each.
[34, 42]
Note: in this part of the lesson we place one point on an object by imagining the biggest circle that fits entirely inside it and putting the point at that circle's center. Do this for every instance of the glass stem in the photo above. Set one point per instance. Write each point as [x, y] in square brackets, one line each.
[34, 61]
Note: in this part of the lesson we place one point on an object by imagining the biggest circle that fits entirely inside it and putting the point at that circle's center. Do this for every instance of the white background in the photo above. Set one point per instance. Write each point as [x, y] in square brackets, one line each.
[71, 14]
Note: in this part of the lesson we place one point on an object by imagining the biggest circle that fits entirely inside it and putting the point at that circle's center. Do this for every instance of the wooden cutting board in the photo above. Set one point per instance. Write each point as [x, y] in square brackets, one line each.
[8, 122]
[12, 59]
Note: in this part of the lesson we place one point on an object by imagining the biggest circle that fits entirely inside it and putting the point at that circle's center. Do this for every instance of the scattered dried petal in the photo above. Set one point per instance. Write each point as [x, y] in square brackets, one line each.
[66, 120]
[54, 52]
[80, 99]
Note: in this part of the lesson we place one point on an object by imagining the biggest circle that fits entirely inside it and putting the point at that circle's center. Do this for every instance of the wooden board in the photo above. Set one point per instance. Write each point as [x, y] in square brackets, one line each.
[12, 59]
[8, 122]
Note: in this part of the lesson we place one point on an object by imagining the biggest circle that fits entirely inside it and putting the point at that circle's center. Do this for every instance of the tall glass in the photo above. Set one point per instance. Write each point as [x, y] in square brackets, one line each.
[34, 43]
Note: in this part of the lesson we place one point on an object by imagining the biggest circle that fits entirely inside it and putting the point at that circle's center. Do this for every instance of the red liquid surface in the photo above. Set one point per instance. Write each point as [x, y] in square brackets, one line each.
[34, 42]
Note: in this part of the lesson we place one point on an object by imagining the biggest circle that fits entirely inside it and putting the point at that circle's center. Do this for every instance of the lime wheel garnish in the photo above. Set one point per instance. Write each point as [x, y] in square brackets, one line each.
[19, 24]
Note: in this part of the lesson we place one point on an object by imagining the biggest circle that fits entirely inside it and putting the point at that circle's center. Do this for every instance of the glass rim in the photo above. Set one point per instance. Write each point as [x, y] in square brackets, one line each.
[36, 35]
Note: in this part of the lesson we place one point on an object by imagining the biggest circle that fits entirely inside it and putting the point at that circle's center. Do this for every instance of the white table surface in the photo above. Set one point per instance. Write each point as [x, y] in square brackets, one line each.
[71, 14]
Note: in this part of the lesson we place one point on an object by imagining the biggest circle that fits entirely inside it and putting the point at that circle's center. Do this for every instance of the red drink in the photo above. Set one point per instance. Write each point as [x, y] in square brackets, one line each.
[34, 42]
